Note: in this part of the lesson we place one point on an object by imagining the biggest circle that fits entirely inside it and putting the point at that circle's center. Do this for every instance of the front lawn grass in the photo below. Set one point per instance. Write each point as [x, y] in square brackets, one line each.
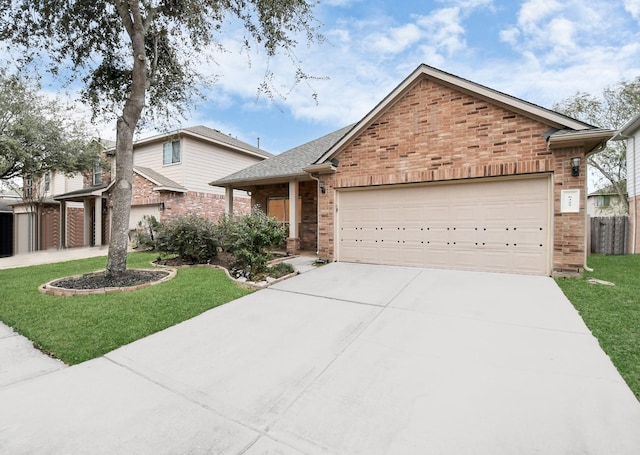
[612, 313]
[79, 328]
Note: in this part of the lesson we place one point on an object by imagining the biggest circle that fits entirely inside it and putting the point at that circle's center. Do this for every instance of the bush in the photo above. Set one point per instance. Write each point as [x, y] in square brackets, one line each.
[249, 239]
[191, 237]
[147, 232]
[280, 269]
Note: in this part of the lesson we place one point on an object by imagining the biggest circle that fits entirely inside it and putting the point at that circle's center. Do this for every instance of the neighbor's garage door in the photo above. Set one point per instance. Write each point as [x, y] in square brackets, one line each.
[498, 226]
[138, 212]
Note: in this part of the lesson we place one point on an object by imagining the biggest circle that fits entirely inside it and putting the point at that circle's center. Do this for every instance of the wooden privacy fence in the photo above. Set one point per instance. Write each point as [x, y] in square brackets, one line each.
[610, 235]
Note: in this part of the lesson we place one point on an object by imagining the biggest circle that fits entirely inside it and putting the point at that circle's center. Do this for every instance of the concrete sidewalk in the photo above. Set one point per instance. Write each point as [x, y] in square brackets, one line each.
[345, 359]
[51, 256]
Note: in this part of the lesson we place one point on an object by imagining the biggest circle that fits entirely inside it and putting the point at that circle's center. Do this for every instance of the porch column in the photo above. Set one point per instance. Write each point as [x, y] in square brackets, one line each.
[98, 221]
[228, 197]
[86, 213]
[293, 242]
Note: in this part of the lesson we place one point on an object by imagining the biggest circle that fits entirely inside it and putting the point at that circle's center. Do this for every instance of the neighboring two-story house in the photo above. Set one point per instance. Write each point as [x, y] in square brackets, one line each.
[605, 202]
[36, 216]
[171, 175]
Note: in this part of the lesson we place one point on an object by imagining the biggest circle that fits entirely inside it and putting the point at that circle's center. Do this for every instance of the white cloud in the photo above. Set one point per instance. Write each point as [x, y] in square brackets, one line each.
[633, 7]
[444, 29]
[510, 35]
[397, 39]
[534, 11]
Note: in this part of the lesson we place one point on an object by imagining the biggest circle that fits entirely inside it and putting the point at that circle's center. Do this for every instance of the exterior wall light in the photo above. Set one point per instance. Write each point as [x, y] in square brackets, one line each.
[575, 166]
[323, 189]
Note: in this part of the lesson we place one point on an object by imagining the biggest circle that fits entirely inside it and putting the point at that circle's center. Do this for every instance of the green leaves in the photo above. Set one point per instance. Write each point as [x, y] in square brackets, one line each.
[92, 41]
[249, 239]
[36, 135]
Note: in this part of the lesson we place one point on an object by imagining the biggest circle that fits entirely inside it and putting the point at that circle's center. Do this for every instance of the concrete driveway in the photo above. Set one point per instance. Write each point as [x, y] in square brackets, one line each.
[346, 359]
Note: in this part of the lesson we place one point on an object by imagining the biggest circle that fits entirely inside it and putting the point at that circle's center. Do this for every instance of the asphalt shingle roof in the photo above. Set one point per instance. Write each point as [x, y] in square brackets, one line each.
[287, 164]
[158, 178]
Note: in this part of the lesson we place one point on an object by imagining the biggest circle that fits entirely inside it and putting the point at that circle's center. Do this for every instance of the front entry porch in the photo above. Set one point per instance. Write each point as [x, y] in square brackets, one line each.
[294, 203]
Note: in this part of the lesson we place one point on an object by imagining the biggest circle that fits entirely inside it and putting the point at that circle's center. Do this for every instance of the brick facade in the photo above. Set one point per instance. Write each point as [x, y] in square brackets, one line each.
[50, 227]
[177, 204]
[435, 134]
[75, 227]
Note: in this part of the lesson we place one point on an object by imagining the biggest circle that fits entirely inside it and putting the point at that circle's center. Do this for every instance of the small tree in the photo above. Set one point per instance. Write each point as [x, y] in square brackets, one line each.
[38, 136]
[147, 232]
[250, 238]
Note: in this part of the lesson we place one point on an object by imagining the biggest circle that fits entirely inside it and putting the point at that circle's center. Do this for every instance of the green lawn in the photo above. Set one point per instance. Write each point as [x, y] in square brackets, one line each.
[612, 312]
[79, 328]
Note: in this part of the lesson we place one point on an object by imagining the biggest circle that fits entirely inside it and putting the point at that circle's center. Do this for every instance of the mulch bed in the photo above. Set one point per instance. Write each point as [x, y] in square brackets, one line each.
[99, 280]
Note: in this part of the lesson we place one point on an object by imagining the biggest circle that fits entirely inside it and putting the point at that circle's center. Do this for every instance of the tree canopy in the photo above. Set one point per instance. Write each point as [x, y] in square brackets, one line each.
[612, 109]
[134, 56]
[38, 135]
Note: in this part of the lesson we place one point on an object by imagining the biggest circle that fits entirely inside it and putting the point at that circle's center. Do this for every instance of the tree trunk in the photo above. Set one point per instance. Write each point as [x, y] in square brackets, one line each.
[126, 126]
[122, 189]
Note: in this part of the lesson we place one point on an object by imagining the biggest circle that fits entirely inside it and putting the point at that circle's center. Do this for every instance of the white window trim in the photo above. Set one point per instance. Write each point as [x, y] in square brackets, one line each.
[172, 163]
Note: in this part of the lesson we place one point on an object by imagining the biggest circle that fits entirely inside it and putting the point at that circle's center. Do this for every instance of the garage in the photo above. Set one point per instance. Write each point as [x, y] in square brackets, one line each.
[138, 212]
[485, 225]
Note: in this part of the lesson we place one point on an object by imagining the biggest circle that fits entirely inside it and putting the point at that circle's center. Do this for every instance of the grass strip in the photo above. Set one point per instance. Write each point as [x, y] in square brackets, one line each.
[79, 328]
[612, 313]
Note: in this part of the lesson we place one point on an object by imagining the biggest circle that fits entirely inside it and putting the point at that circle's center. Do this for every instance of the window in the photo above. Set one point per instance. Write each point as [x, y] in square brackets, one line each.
[603, 201]
[47, 181]
[28, 187]
[278, 208]
[97, 174]
[171, 152]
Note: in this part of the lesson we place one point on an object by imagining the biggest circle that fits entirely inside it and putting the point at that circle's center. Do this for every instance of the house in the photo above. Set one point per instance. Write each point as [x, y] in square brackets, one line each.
[170, 178]
[8, 197]
[630, 133]
[36, 215]
[443, 172]
[605, 202]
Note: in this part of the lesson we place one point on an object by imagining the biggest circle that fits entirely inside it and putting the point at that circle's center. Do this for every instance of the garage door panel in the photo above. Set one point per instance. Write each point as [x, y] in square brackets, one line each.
[495, 226]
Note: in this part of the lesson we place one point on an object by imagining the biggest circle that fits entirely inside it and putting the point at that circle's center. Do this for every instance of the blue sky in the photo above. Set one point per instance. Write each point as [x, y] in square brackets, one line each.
[539, 50]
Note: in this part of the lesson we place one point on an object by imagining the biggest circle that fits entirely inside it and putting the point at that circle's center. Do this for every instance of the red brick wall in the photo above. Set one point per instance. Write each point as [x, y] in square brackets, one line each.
[75, 227]
[50, 227]
[434, 133]
[176, 204]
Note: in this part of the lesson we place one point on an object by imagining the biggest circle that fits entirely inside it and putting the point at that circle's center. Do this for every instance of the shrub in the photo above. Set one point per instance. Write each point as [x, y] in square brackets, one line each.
[249, 239]
[280, 269]
[190, 237]
[147, 231]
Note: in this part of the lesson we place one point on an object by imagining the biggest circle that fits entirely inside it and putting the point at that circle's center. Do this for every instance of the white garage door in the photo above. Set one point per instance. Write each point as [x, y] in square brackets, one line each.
[497, 226]
[139, 211]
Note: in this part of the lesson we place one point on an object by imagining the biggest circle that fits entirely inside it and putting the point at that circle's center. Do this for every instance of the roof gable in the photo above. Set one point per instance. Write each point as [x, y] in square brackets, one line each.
[545, 116]
[162, 183]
